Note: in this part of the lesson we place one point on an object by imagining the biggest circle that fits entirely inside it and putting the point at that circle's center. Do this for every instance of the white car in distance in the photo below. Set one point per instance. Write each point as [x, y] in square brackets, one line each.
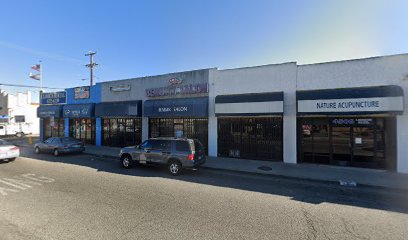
[8, 151]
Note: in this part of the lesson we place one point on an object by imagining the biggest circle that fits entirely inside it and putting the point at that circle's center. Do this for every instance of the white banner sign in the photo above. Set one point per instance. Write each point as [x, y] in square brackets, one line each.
[377, 104]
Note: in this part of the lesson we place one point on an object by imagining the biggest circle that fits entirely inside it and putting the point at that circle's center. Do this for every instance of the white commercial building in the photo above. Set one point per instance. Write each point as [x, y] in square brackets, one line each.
[18, 113]
[350, 113]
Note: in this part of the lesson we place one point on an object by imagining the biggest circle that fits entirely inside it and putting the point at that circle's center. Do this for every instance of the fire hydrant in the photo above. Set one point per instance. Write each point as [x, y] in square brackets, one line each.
[30, 140]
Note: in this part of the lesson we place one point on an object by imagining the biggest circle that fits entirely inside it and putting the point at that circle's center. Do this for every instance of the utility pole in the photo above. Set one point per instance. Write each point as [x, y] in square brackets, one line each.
[91, 64]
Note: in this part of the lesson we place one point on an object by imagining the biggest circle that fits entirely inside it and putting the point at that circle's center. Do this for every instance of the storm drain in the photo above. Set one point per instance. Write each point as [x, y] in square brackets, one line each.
[265, 168]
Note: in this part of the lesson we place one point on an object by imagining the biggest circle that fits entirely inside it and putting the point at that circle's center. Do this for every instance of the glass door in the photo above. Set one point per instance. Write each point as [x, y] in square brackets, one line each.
[341, 145]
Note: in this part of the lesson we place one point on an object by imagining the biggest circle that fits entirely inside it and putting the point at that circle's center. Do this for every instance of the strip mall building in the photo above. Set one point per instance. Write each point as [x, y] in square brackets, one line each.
[348, 113]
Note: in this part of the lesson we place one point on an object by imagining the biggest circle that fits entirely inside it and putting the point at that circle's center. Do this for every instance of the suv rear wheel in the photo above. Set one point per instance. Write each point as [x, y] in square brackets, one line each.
[174, 167]
[126, 161]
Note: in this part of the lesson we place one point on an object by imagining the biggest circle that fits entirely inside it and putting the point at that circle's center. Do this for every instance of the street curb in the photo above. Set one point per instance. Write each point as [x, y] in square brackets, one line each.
[101, 155]
[334, 182]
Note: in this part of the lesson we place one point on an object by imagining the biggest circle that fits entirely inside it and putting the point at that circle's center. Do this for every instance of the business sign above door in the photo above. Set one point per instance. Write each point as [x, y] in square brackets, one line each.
[179, 107]
[79, 111]
[379, 104]
[176, 87]
[380, 99]
[54, 98]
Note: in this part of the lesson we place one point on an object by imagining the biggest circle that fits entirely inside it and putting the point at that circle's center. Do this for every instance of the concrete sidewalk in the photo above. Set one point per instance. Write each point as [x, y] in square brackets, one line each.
[350, 175]
[315, 172]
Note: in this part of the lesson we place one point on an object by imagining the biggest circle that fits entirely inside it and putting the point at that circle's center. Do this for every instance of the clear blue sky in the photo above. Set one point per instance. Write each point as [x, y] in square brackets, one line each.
[151, 37]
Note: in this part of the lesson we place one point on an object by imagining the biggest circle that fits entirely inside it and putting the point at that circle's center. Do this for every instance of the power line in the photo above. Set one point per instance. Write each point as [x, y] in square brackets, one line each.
[28, 86]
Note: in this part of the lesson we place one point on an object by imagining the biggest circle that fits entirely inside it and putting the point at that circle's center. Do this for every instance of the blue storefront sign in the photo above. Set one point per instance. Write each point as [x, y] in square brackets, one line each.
[46, 111]
[54, 98]
[79, 111]
[179, 107]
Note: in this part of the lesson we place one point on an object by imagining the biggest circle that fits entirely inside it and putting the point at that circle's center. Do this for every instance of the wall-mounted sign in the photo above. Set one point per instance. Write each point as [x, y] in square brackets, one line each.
[120, 88]
[376, 104]
[79, 111]
[352, 121]
[54, 98]
[46, 111]
[175, 81]
[178, 89]
[19, 118]
[81, 92]
[179, 107]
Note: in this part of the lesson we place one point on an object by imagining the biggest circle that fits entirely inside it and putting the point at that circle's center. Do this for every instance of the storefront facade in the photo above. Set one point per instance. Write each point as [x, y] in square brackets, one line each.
[79, 113]
[180, 117]
[251, 113]
[121, 123]
[51, 121]
[350, 126]
[170, 105]
[347, 113]
[82, 123]
[250, 126]
[354, 113]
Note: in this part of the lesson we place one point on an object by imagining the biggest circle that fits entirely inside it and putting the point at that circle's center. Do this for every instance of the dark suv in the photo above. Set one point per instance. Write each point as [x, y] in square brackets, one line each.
[175, 153]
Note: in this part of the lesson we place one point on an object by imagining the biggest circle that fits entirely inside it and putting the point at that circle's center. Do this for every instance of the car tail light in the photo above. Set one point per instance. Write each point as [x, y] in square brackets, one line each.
[15, 148]
[190, 157]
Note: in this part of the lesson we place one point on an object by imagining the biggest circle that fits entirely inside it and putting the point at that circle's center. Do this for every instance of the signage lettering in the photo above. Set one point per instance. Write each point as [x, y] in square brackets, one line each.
[177, 90]
[375, 104]
[352, 121]
[172, 109]
[54, 98]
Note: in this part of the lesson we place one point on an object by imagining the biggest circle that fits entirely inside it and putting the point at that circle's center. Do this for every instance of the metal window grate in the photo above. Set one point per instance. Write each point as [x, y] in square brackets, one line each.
[250, 137]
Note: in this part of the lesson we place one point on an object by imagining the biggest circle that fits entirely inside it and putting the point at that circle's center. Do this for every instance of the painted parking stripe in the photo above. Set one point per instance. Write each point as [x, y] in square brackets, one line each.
[22, 182]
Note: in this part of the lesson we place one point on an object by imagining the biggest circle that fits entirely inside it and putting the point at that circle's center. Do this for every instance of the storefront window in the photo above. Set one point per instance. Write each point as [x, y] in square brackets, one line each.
[121, 132]
[250, 137]
[180, 127]
[82, 129]
[53, 127]
[342, 141]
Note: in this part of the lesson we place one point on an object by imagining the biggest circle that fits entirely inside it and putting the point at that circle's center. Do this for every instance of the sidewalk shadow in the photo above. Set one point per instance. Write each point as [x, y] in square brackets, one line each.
[306, 191]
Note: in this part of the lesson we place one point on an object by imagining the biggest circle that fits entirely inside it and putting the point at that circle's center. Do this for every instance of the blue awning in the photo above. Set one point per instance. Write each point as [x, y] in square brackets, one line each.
[46, 111]
[178, 107]
[79, 110]
[119, 109]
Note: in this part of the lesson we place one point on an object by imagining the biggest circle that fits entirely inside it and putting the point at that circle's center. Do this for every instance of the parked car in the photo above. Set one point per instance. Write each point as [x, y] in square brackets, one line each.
[58, 145]
[8, 151]
[175, 153]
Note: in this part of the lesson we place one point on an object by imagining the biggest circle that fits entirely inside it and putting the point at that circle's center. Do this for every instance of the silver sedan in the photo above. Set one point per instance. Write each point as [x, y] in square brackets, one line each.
[8, 151]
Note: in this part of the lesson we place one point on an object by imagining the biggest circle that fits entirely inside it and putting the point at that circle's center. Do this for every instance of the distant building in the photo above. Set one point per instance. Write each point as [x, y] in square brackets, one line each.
[18, 112]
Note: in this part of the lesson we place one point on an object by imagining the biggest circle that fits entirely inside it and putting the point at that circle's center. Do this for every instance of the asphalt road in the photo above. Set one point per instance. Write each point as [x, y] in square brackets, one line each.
[85, 197]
